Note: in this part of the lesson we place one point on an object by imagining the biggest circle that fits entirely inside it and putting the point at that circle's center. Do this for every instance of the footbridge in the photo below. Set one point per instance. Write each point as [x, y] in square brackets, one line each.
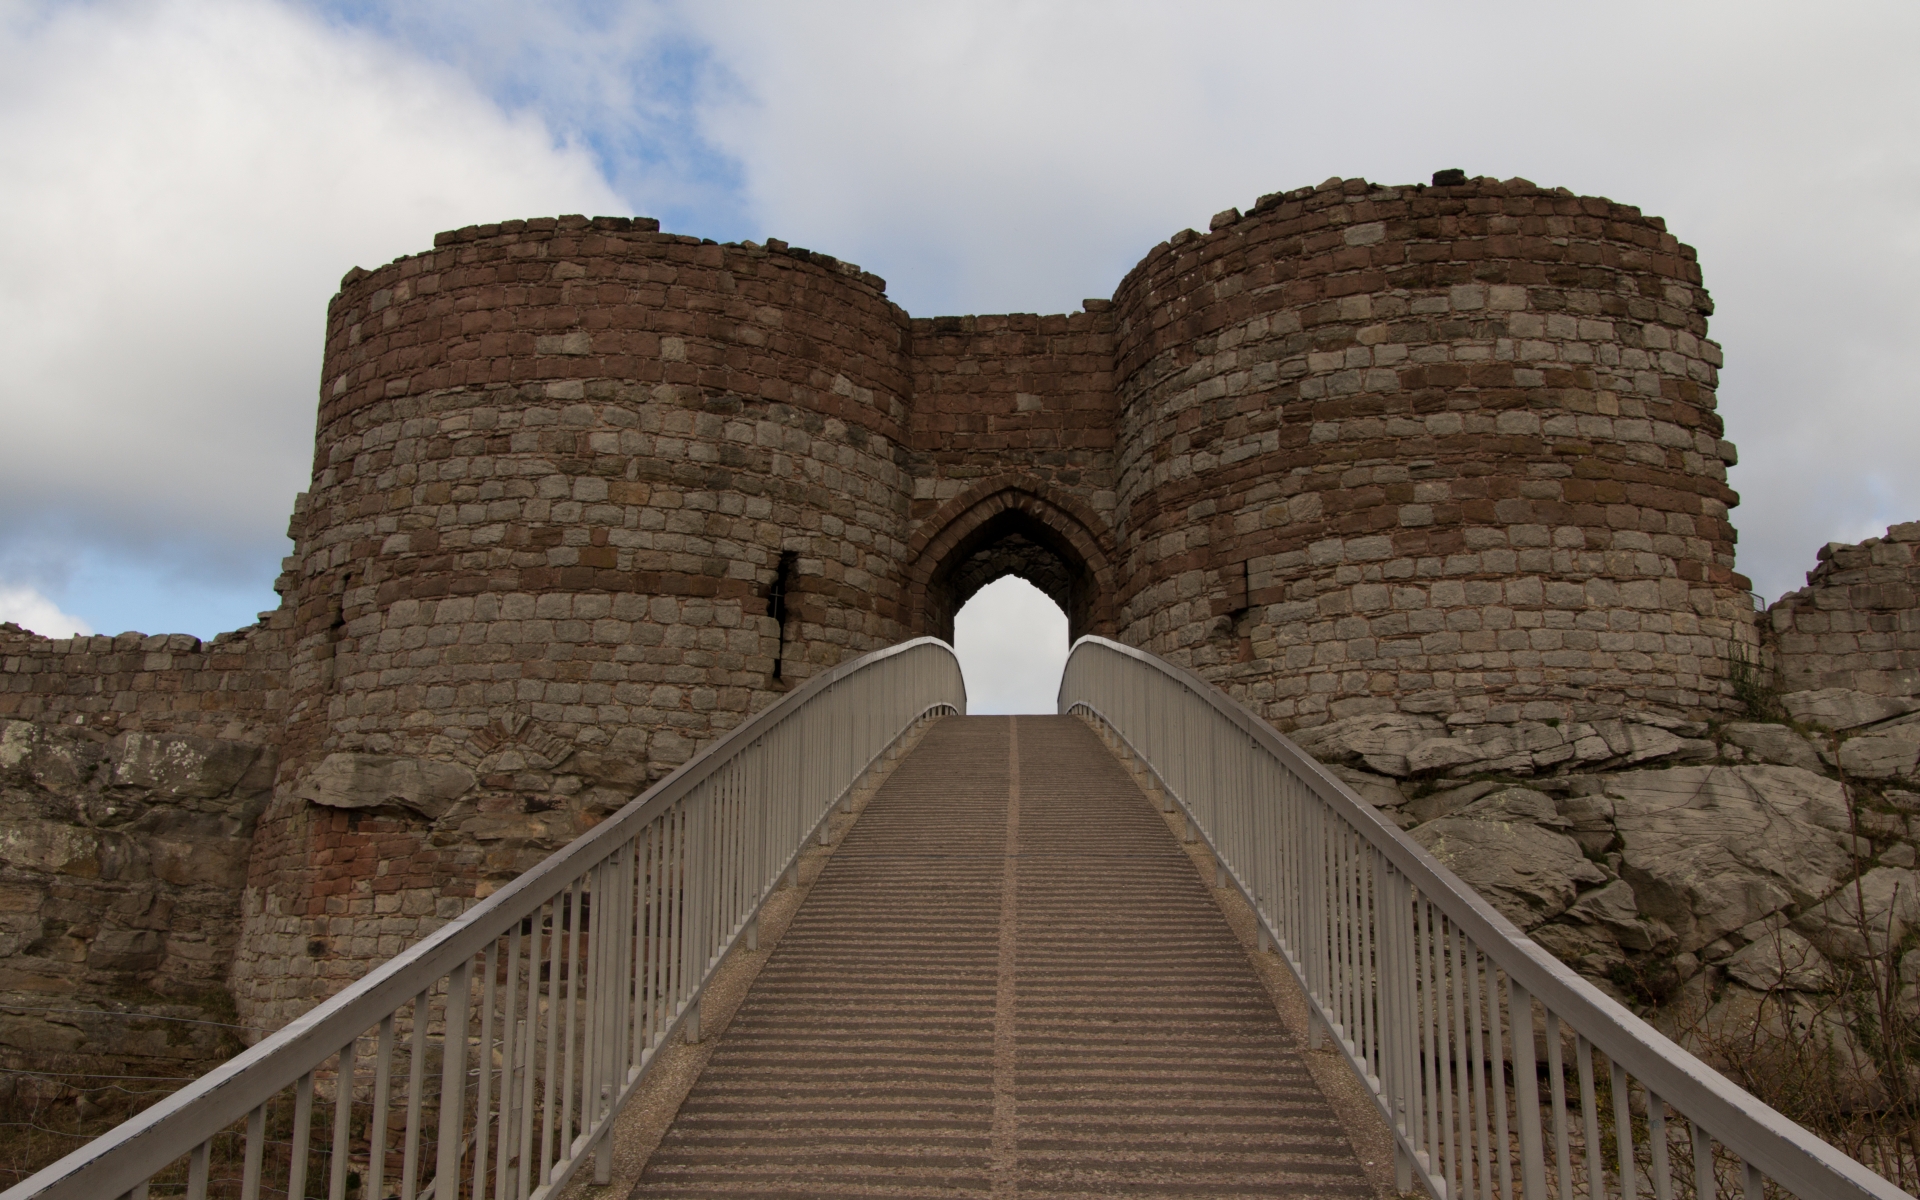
[943, 955]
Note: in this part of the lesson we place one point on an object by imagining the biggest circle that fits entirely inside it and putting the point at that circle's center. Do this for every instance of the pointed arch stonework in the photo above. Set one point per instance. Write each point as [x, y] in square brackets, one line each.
[1013, 509]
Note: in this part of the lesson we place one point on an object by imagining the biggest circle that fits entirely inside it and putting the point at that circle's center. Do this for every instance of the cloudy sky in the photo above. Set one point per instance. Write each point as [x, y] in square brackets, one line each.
[185, 183]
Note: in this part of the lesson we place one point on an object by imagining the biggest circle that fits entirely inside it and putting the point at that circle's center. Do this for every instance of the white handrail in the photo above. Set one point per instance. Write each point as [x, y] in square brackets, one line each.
[1404, 965]
[556, 1022]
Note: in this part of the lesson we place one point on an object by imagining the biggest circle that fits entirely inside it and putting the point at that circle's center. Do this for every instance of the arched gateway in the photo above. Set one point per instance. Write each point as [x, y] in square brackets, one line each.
[1012, 525]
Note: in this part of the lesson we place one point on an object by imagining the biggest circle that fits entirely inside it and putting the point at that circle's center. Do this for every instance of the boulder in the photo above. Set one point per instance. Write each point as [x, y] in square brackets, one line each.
[1376, 790]
[1589, 817]
[1870, 917]
[1588, 949]
[1710, 849]
[1646, 742]
[1527, 872]
[1773, 743]
[178, 766]
[1380, 740]
[1516, 804]
[1448, 800]
[1781, 959]
[352, 780]
[1901, 799]
[1889, 755]
[61, 762]
[1614, 909]
[1841, 708]
[1439, 754]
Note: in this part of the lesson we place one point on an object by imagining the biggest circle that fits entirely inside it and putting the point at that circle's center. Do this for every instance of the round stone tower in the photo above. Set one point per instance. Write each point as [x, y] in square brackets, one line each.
[1445, 450]
[564, 472]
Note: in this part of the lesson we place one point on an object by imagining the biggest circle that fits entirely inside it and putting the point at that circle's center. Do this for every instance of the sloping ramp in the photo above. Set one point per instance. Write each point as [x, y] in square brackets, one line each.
[1009, 980]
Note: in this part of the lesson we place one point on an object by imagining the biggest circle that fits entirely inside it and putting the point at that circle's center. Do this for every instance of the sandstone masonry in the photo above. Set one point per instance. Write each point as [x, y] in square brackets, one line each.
[586, 493]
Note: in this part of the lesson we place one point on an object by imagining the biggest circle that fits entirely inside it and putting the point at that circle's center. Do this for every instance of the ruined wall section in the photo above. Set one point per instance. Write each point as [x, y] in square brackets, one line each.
[122, 857]
[232, 687]
[1447, 450]
[1856, 625]
[557, 468]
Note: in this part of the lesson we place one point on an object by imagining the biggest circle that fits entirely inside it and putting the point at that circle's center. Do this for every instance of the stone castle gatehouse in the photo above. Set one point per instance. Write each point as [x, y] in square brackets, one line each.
[584, 493]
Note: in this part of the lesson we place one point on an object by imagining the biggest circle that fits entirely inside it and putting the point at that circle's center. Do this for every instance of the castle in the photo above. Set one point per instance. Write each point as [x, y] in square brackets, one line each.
[584, 493]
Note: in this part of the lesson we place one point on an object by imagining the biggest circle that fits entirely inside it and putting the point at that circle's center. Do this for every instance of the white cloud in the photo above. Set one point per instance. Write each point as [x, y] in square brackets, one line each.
[186, 182]
[1012, 645]
[1012, 156]
[26, 607]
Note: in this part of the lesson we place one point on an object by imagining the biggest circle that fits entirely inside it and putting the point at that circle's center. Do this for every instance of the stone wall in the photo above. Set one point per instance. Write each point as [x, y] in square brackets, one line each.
[121, 863]
[233, 687]
[1856, 625]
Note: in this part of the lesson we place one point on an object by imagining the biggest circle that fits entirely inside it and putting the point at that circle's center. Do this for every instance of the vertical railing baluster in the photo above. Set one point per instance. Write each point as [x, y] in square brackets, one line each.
[576, 915]
[197, 1170]
[1590, 1121]
[1443, 1053]
[1703, 1181]
[1463, 1058]
[1557, 1095]
[1658, 1165]
[1623, 1129]
[503, 1155]
[256, 1148]
[377, 1120]
[483, 1085]
[302, 1131]
[341, 1159]
[1369, 1032]
[1477, 1060]
[453, 1080]
[540, 935]
[416, 1084]
[1429, 1052]
[549, 1076]
[1526, 1086]
[1502, 1135]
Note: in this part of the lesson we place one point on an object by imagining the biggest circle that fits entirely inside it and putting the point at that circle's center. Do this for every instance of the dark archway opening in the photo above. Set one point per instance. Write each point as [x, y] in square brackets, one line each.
[1012, 542]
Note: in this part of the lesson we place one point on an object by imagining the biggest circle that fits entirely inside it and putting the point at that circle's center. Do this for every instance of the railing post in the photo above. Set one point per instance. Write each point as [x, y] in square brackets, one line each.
[453, 1079]
[603, 1148]
[1533, 1166]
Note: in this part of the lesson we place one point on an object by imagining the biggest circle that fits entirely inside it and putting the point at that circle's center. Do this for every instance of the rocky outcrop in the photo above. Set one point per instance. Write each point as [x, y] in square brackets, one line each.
[1738, 882]
[1508, 846]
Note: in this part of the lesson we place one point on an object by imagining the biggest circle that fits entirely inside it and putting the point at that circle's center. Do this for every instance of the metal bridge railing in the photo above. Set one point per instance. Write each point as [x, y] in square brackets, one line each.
[491, 1058]
[1442, 1007]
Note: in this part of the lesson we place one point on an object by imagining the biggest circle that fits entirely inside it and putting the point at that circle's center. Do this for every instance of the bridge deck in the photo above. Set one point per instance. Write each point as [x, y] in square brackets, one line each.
[1008, 980]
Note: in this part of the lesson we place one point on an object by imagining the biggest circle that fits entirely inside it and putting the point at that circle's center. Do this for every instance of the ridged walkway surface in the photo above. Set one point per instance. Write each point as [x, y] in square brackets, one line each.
[1009, 980]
